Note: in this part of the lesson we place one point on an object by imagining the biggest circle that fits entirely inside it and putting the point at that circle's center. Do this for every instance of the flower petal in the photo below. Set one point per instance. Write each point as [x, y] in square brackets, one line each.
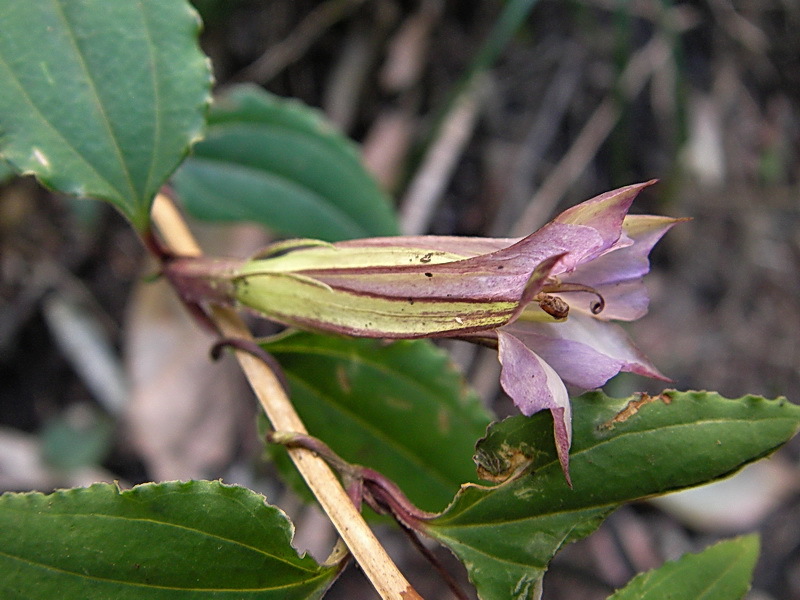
[617, 275]
[626, 301]
[583, 351]
[586, 231]
[533, 385]
[604, 213]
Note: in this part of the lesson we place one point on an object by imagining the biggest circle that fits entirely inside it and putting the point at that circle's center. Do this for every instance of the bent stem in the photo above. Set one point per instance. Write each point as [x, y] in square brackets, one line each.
[381, 494]
[384, 575]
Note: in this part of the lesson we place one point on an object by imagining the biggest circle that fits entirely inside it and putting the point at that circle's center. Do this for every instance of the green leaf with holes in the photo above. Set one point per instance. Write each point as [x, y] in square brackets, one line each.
[400, 408]
[278, 162]
[721, 572]
[192, 540]
[101, 99]
[623, 449]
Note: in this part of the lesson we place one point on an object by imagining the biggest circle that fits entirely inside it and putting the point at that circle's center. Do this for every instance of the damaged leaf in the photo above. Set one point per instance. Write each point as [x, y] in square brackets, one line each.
[506, 535]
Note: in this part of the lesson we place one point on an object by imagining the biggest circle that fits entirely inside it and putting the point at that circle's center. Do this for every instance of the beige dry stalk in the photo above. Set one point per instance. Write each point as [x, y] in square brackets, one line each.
[365, 547]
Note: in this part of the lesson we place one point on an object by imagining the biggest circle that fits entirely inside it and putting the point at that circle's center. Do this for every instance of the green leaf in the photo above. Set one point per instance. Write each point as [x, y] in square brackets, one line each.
[6, 171]
[69, 445]
[279, 163]
[721, 572]
[399, 408]
[101, 99]
[199, 539]
[623, 449]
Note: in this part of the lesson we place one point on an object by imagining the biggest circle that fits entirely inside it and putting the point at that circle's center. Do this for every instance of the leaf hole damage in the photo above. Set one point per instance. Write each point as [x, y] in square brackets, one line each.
[504, 463]
[633, 407]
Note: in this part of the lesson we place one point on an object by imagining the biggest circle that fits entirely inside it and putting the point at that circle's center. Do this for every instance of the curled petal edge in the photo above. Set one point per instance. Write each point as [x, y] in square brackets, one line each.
[533, 385]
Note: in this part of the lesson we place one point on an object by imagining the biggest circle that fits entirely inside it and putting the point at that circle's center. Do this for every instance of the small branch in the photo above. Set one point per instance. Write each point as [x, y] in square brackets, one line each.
[379, 492]
[429, 183]
[640, 68]
[279, 56]
[382, 494]
[365, 547]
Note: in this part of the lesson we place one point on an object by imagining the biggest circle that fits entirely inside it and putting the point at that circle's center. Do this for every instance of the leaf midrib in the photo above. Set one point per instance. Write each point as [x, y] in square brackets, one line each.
[552, 463]
[135, 584]
[210, 535]
[100, 107]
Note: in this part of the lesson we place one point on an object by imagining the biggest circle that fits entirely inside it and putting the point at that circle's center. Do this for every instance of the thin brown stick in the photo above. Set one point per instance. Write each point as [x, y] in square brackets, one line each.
[282, 54]
[638, 71]
[430, 181]
[435, 563]
[365, 547]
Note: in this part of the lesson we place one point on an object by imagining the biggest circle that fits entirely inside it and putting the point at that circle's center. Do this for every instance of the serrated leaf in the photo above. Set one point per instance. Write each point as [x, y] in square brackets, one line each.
[399, 408]
[279, 163]
[624, 449]
[721, 572]
[101, 99]
[199, 539]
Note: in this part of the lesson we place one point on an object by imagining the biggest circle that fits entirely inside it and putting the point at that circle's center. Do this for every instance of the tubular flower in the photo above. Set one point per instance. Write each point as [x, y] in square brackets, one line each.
[545, 301]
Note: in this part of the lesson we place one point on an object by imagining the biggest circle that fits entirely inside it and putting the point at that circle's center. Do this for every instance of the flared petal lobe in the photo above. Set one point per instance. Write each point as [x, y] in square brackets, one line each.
[618, 275]
[585, 352]
[533, 385]
[604, 213]
[546, 300]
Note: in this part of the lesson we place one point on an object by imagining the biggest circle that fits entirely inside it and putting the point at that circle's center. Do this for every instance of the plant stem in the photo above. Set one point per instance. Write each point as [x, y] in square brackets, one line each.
[365, 547]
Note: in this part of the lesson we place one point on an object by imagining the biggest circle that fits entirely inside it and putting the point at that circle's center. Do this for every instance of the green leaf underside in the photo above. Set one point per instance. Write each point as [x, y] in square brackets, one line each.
[278, 163]
[721, 572]
[93, 102]
[507, 535]
[399, 408]
[197, 539]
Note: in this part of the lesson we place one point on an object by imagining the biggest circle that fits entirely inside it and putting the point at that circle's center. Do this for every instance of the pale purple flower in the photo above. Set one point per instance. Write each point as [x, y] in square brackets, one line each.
[545, 301]
[600, 280]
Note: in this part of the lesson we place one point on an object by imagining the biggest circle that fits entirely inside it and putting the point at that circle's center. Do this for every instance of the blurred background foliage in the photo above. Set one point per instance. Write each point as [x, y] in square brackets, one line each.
[477, 118]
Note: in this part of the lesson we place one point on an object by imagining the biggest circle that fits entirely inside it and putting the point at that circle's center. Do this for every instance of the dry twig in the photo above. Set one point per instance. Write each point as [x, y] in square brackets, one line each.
[433, 175]
[278, 56]
[366, 549]
[636, 74]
